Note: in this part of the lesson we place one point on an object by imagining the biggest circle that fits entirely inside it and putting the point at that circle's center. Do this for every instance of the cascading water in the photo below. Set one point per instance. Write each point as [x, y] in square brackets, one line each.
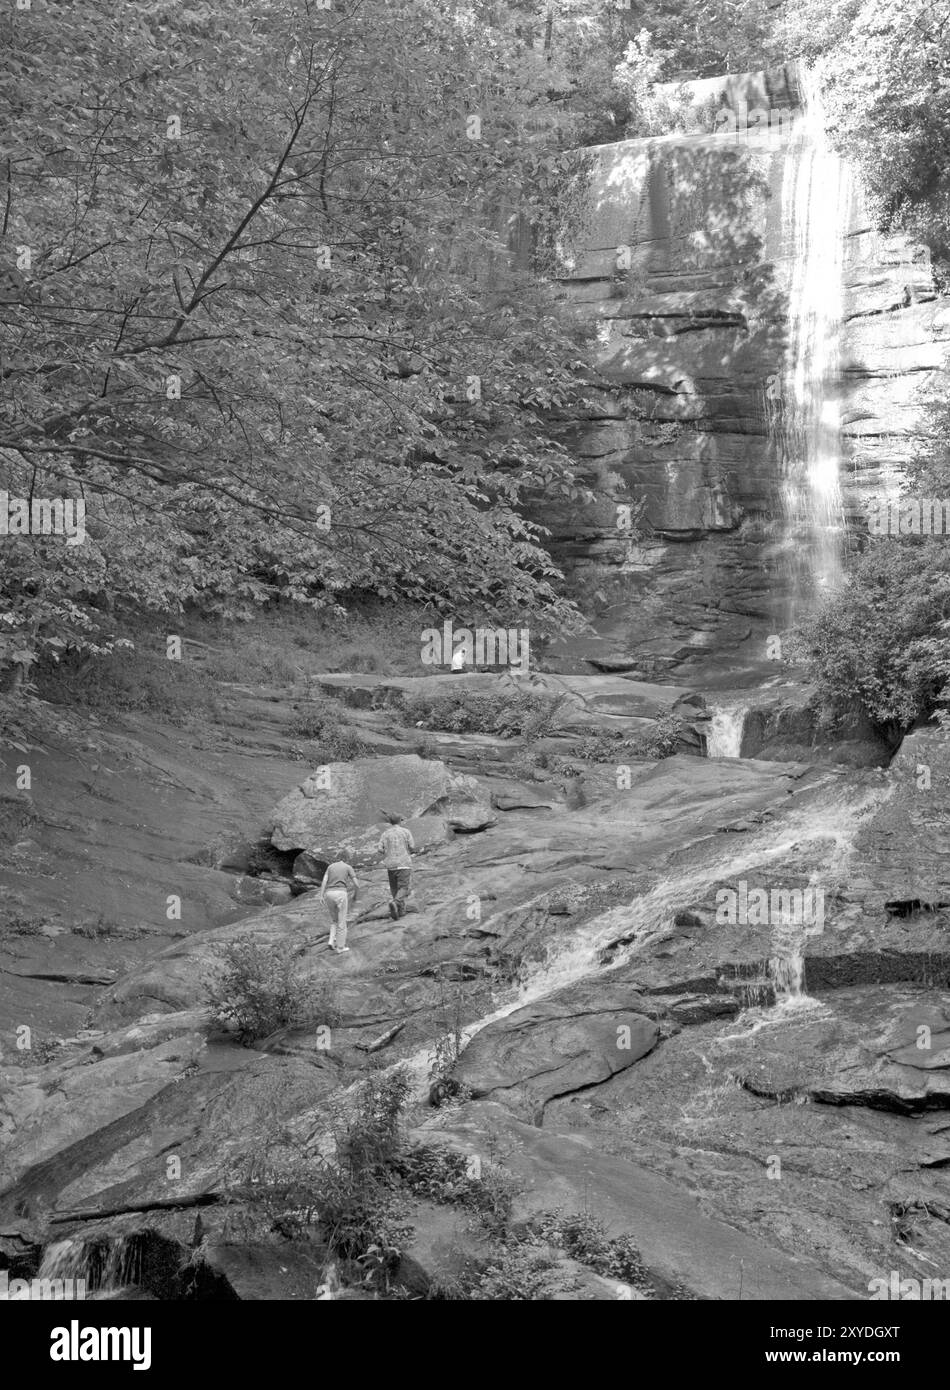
[103, 1266]
[816, 201]
[619, 933]
[787, 967]
[724, 734]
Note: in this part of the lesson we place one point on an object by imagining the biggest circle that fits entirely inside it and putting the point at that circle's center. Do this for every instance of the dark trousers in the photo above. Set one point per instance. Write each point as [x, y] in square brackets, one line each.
[399, 887]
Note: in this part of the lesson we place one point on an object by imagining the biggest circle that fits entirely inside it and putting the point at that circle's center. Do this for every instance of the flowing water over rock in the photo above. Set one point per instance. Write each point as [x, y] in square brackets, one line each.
[106, 1267]
[816, 201]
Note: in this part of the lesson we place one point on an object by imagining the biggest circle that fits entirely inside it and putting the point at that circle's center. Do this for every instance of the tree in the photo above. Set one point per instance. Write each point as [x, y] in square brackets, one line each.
[260, 313]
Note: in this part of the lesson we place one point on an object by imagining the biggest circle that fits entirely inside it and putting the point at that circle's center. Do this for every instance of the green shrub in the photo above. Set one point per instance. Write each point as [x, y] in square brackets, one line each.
[517, 715]
[354, 1195]
[323, 724]
[583, 1237]
[605, 747]
[662, 740]
[879, 645]
[257, 990]
[372, 1139]
[359, 659]
[517, 1274]
[446, 1176]
[610, 745]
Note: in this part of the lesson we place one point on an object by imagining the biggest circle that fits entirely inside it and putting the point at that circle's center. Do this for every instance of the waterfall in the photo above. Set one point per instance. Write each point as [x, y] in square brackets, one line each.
[816, 202]
[103, 1265]
[787, 972]
[724, 734]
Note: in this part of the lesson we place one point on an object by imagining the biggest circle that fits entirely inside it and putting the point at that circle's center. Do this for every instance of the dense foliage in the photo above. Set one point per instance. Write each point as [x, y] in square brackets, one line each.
[885, 68]
[880, 646]
[259, 311]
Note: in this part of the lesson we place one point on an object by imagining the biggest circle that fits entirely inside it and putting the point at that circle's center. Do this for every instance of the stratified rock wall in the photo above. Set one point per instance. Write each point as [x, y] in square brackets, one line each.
[682, 263]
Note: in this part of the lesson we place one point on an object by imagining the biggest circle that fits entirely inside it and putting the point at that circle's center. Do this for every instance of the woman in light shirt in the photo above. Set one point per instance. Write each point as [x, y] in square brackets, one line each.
[339, 882]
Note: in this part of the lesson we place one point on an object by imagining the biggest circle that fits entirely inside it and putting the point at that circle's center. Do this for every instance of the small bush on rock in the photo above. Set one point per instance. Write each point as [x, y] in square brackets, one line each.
[514, 1273]
[517, 715]
[584, 1238]
[257, 990]
[323, 724]
[446, 1176]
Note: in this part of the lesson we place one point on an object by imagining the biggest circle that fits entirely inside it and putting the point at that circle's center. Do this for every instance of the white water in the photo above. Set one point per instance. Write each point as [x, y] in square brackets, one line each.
[626, 929]
[787, 966]
[816, 200]
[107, 1267]
[724, 732]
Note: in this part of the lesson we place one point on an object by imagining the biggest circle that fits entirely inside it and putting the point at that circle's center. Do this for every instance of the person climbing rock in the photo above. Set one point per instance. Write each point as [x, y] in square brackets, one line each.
[396, 845]
[339, 882]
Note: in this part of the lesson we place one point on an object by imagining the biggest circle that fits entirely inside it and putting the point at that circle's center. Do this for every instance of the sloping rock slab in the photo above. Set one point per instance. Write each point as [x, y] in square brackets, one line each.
[554, 1047]
[677, 1241]
[908, 1071]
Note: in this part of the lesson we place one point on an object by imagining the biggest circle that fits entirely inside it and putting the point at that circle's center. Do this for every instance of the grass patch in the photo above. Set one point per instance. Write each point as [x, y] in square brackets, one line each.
[17, 925]
[126, 679]
[94, 929]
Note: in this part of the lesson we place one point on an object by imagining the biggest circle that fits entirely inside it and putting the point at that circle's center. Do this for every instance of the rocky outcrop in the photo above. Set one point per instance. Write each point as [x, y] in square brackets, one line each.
[330, 816]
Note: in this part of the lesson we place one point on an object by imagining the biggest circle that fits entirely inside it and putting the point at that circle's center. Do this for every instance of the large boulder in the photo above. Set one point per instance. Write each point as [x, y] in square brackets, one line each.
[361, 847]
[331, 814]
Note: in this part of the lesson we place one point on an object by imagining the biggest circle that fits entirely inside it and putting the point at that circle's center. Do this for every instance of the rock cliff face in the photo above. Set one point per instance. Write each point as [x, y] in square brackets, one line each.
[685, 261]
